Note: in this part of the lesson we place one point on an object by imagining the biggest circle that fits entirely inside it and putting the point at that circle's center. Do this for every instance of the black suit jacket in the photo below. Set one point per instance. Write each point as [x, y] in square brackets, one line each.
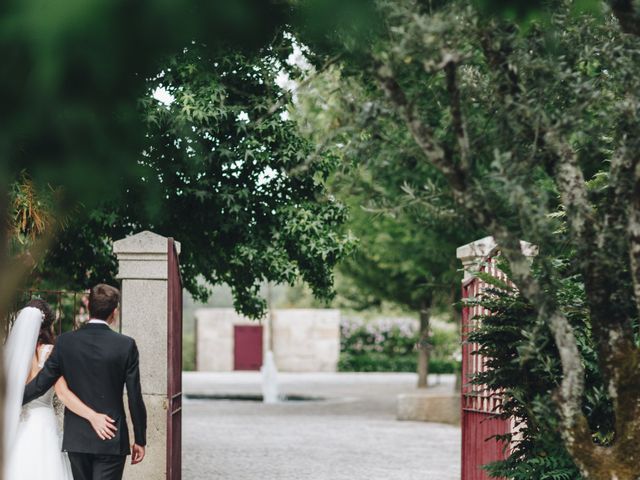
[97, 363]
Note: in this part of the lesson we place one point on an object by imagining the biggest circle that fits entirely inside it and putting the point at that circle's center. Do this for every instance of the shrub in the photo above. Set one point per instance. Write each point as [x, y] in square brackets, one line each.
[390, 345]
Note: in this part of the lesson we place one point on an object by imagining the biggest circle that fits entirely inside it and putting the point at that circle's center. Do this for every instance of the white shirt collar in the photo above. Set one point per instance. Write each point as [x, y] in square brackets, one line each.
[95, 320]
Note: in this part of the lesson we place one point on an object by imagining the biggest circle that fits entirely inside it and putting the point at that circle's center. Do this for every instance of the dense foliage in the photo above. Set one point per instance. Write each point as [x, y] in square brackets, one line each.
[530, 126]
[71, 118]
[78, 69]
[406, 248]
[232, 180]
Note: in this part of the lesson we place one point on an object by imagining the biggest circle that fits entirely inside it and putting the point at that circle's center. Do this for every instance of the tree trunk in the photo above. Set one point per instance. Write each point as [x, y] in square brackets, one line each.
[423, 345]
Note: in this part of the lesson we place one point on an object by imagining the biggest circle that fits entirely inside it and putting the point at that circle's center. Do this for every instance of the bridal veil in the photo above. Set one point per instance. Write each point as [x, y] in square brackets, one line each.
[18, 354]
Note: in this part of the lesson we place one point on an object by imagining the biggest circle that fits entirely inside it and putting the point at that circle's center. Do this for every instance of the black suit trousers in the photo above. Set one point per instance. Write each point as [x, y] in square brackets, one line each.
[88, 466]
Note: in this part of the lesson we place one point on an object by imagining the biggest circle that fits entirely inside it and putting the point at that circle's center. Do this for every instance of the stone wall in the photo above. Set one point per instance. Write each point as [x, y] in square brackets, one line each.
[305, 340]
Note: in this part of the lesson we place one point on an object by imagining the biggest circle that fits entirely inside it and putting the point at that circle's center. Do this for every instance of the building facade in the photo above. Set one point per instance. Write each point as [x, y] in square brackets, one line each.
[304, 340]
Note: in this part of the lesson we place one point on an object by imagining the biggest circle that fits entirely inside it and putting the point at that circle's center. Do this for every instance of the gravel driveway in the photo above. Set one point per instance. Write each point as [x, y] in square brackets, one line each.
[351, 434]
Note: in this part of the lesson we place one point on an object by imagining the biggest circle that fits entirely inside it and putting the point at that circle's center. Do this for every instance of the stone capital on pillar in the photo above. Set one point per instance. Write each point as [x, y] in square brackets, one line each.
[473, 254]
[142, 256]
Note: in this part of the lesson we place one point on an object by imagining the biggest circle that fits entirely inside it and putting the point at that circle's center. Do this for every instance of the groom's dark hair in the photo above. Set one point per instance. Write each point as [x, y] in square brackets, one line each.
[103, 300]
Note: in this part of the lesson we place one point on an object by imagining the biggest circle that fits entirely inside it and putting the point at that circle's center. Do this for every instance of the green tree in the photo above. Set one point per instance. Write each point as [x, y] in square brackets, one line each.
[74, 75]
[530, 126]
[406, 247]
[221, 160]
[396, 262]
[403, 256]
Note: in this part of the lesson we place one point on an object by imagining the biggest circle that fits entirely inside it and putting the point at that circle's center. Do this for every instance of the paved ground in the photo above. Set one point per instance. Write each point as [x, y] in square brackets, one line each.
[351, 435]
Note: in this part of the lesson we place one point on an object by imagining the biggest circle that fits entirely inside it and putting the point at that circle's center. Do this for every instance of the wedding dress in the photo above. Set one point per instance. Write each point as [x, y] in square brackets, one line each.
[32, 436]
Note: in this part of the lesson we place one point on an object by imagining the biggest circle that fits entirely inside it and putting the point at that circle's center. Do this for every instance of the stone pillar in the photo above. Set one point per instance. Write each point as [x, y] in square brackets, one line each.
[142, 260]
[473, 254]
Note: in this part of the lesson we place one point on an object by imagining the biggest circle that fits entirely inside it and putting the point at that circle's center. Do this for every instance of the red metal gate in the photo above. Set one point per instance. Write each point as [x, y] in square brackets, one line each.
[478, 404]
[247, 347]
[174, 366]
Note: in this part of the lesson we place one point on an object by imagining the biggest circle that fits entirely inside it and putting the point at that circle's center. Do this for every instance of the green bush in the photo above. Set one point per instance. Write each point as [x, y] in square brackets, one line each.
[438, 366]
[376, 362]
[390, 345]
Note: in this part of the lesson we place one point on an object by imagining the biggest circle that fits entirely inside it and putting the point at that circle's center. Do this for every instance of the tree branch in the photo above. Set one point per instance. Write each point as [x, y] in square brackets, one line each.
[496, 42]
[572, 386]
[439, 155]
[573, 193]
[459, 128]
[496, 50]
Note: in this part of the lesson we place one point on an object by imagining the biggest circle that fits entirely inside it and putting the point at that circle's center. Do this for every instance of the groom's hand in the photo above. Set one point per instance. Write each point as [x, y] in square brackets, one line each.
[137, 454]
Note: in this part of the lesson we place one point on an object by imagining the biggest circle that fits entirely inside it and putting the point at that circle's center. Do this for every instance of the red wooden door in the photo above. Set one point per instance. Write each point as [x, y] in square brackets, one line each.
[247, 347]
[174, 366]
[478, 404]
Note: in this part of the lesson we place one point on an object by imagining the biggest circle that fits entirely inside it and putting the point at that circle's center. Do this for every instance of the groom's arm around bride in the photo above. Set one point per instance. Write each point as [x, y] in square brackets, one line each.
[97, 364]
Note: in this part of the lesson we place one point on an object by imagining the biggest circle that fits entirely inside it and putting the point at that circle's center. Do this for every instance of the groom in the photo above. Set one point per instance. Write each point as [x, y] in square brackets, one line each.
[97, 363]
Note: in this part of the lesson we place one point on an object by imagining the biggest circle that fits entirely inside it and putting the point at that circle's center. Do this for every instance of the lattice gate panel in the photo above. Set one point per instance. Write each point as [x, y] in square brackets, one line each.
[478, 404]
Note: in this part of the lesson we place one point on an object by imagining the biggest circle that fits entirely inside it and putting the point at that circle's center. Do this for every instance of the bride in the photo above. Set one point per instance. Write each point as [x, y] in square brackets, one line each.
[32, 439]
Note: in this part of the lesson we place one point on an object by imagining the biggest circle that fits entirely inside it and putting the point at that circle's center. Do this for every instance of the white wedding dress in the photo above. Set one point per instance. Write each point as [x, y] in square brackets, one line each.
[33, 448]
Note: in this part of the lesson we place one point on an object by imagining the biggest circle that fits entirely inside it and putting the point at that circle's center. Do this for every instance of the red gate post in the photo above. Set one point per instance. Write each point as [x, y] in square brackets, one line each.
[174, 363]
[478, 404]
[151, 313]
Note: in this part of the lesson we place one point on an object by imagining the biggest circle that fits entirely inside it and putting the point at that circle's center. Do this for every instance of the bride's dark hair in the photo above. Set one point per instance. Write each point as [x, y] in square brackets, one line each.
[45, 337]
